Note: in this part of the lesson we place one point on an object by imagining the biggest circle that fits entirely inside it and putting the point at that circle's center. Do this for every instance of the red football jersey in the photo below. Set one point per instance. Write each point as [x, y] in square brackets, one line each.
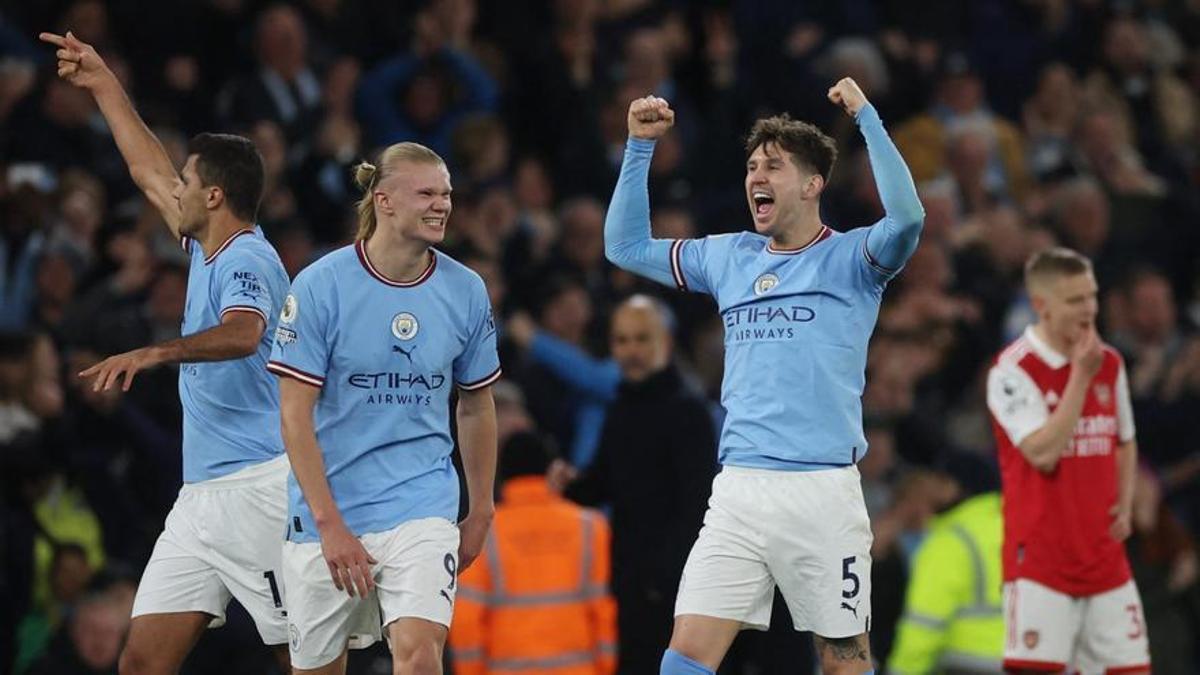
[1056, 525]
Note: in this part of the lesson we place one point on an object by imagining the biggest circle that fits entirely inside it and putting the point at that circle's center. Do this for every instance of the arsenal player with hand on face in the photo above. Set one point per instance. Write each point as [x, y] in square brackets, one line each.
[1059, 401]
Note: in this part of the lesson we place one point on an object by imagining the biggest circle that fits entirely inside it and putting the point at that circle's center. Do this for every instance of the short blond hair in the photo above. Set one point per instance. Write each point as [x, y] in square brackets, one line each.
[1053, 263]
[368, 175]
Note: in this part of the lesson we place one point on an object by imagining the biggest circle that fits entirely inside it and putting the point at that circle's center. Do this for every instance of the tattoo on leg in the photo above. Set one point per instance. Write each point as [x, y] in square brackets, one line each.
[845, 649]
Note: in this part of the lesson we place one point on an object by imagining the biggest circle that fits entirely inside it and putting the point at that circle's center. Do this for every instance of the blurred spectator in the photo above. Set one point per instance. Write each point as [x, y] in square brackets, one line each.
[481, 150]
[125, 461]
[69, 577]
[1163, 362]
[22, 239]
[285, 89]
[1105, 149]
[279, 209]
[1165, 565]
[92, 639]
[958, 116]
[538, 598]
[919, 495]
[81, 208]
[55, 282]
[654, 466]
[1134, 79]
[567, 402]
[1049, 117]
[511, 416]
[141, 303]
[879, 468]
[422, 95]
[580, 249]
[953, 621]
[17, 364]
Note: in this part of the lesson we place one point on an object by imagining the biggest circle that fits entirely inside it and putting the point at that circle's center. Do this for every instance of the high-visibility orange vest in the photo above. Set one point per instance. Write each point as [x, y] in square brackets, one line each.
[536, 602]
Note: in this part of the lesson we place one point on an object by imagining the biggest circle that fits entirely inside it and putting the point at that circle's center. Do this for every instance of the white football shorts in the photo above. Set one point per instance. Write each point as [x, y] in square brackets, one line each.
[806, 532]
[223, 539]
[415, 577]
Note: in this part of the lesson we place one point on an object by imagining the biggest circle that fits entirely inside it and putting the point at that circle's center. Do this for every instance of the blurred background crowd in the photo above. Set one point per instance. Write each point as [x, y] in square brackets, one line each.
[1025, 123]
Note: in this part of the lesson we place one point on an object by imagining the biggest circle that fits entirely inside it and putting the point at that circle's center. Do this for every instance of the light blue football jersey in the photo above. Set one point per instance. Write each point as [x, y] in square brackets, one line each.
[385, 355]
[231, 408]
[797, 322]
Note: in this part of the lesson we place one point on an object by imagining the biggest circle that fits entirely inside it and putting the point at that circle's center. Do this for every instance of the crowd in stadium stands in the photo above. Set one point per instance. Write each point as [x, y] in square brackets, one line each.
[1025, 123]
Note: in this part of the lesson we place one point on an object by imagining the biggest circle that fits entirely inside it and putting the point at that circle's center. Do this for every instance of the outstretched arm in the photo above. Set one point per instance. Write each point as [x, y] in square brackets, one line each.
[237, 336]
[149, 165]
[627, 241]
[892, 240]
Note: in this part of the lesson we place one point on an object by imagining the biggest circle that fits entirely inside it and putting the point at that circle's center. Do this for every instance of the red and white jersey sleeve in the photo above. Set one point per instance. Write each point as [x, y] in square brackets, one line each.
[1126, 431]
[1015, 401]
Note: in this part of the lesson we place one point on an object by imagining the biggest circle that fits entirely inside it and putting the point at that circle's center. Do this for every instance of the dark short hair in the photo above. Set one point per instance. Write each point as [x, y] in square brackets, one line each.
[233, 164]
[526, 453]
[1140, 274]
[1053, 263]
[810, 147]
[558, 285]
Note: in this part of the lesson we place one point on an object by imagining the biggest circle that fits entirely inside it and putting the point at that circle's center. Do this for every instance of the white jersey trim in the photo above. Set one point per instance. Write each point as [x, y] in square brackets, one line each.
[1015, 400]
[1126, 430]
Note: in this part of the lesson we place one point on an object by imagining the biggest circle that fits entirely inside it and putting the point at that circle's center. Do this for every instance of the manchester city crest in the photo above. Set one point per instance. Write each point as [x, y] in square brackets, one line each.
[765, 283]
[405, 326]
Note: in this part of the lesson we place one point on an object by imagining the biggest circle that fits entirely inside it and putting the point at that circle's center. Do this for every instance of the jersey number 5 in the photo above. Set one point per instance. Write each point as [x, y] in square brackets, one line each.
[847, 575]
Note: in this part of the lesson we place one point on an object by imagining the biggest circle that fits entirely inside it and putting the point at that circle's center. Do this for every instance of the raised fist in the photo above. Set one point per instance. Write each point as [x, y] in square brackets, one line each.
[650, 118]
[847, 94]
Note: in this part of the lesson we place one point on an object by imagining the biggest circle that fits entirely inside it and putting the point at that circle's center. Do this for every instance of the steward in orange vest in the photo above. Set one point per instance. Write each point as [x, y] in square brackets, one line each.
[537, 600]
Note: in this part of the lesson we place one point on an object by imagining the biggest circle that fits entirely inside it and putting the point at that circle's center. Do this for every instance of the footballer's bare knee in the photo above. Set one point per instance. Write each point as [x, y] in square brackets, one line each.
[158, 643]
[416, 646]
[704, 639]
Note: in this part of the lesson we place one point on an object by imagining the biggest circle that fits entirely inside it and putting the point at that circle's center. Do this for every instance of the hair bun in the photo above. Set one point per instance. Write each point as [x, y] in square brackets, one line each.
[364, 174]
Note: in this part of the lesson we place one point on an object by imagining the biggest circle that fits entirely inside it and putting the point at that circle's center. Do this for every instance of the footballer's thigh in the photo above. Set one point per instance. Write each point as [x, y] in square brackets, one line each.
[323, 622]
[1113, 637]
[180, 578]
[247, 548]
[1041, 626]
[180, 592]
[417, 583]
[725, 585]
[820, 550]
[820, 556]
[417, 571]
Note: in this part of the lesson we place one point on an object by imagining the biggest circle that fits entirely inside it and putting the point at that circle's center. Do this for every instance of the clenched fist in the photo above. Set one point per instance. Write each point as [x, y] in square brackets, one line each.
[650, 118]
[847, 94]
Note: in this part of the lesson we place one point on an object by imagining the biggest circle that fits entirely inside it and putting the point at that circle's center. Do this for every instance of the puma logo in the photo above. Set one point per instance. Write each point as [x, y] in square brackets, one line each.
[406, 352]
[853, 610]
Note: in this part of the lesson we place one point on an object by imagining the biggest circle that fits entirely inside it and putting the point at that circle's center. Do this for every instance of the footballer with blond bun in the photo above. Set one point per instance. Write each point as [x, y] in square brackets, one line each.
[373, 339]
[1061, 412]
[799, 302]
